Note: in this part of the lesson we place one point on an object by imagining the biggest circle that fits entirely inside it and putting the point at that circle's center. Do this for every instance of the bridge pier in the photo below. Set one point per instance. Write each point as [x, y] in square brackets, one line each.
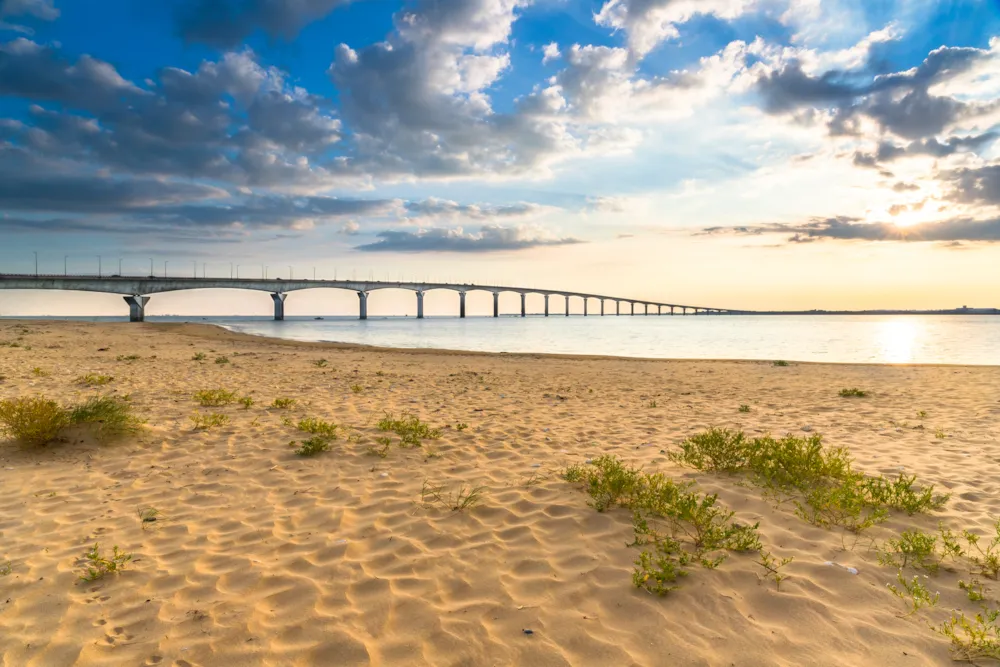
[461, 304]
[362, 305]
[602, 307]
[618, 307]
[633, 307]
[567, 305]
[136, 307]
[671, 310]
[420, 305]
[496, 304]
[645, 309]
[585, 306]
[279, 305]
[523, 297]
[659, 310]
[546, 305]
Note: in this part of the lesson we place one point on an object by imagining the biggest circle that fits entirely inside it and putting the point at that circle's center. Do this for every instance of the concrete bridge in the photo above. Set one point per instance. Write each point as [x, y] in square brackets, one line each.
[136, 292]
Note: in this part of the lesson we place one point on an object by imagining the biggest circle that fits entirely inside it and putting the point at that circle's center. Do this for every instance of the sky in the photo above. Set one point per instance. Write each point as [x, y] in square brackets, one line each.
[753, 154]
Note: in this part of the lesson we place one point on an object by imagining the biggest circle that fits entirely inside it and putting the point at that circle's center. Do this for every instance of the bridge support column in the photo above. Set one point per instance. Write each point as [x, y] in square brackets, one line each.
[496, 304]
[671, 310]
[523, 299]
[546, 305]
[659, 310]
[279, 304]
[602, 307]
[645, 309]
[461, 304]
[585, 307]
[420, 305]
[362, 305]
[633, 308]
[136, 307]
[567, 305]
[618, 307]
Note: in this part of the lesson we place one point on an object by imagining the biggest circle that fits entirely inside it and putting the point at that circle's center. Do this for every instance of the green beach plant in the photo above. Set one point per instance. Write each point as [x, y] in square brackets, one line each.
[213, 398]
[974, 638]
[772, 567]
[95, 379]
[318, 427]
[913, 593]
[744, 408]
[411, 431]
[283, 403]
[210, 420]
[32, 421]
[111, 415]
[198, 356]
[463, 498]
[222, 359]
[246, 402]
[853, 392]
[98, 566]
[313, 446]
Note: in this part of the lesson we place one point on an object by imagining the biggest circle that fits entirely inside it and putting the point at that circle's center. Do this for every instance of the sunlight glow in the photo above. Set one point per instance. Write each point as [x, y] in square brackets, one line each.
[896, 339]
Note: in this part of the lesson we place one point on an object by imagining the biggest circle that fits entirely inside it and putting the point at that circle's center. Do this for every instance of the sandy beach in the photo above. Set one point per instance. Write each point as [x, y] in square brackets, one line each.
[262, 557]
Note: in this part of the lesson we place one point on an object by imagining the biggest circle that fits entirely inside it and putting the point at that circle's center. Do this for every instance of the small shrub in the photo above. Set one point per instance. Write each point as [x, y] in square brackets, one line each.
[985, 556]
[854, 392]
[780, 362]
[382, 451]
[283, 403]
[973, 638]
[921, 414]
[657, 570]
[222, 359]
[40, 372]
[148, 516]
[314, 445]
[318, 427]
[913, 548]
[841, 505]
[973, 590]
[900, 494]
[127, 357]
[411, 431]
[940, 434]
[380, 373]
[32, 421]
[608, 481]
[112, 415]
[98, 566]
[357, 388]
[913, 592]
[213, 398]
[95, 380]
[652, 404]
[744, 408]
[198, 356]
[246, 401]
[321, 363]
[210, 420]
[461, 426]
[772, 567]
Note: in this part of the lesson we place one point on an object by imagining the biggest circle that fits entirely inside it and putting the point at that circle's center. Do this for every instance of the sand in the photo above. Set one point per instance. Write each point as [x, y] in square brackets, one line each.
[260, 557]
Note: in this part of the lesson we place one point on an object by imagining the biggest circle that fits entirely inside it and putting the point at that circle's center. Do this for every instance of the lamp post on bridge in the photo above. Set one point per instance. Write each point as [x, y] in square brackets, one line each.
[230, 270]
[36, 262]
[150, 267]
[65, 265]
[164, 268]
[99, 268]
[289, 273]
[119, 266]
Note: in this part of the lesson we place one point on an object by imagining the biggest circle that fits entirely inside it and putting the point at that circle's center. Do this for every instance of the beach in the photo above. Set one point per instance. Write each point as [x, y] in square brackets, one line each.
[259, 556]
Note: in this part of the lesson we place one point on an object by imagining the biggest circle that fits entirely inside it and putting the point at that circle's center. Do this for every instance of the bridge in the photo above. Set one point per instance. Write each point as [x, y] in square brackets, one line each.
[136, 291]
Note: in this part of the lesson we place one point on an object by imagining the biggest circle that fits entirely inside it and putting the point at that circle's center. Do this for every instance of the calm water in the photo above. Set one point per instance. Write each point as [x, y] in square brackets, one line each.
[953, 339]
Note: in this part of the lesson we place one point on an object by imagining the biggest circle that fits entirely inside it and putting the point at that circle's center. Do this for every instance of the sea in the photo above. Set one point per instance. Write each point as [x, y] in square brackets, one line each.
[880, 339]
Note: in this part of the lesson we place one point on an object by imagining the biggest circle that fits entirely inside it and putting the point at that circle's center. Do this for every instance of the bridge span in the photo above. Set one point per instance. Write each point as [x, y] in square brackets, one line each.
[137, 290]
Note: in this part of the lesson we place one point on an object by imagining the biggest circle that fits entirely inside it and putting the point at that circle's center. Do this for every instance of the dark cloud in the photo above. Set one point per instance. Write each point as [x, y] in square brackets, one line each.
[40, 9]
[888, 151]
[490, 238]
[980, 185]
[226, 23]
[851, 229]
[901, 103]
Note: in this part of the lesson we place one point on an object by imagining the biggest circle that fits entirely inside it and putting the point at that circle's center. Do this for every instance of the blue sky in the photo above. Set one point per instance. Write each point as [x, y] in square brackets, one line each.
[692, 150]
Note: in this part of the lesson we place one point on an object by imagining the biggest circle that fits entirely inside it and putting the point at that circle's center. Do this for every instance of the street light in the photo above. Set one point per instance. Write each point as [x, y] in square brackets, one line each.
[204, 271]
[119, 266]
[99, 270]
[150, 267]
[237, 271]
[66, 265]
[230, 270]
[164, 268]
[36, 262]
[289, 273]
[195, 264]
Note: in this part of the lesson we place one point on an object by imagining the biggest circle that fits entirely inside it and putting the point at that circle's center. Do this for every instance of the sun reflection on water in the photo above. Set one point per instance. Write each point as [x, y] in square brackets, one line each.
[896, 339]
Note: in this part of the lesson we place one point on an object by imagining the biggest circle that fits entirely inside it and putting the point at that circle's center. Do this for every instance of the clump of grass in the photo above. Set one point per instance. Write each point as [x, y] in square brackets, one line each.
[38, 371]
[940, 434]
[95, 380]
[380, 373]
[780, 362]
[112, 415]
[32, 421]
[382, 451]
[463, 498]
[211, 420]
[98, 566]
[148, 516]
[283, 403]
[213, 398]
[984, 555]
[853, 392]
[411, 431]
[246, 402]
[313, 446]
[318, 427]
[608, 481]
[921, 414]
[913, 592]
[6, 569]
[657, 570]
[461, 426]
[127, 357]
[744, 408]
[222, 359]
[198, 356]
[772, 567]
[321, 363]
[973, 638]
[651, 404]
[357, 388]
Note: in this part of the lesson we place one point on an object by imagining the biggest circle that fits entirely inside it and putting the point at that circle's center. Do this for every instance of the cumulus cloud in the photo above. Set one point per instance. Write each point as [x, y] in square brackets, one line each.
[649, 22]
[446, 209]
[44, 10]
[226, 23]
[489, 238]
